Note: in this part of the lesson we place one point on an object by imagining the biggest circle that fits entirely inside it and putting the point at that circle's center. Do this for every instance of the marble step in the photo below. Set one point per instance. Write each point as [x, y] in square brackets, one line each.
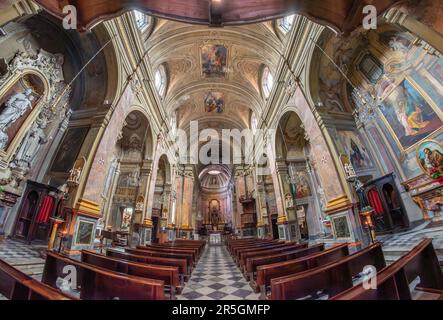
[392, 254]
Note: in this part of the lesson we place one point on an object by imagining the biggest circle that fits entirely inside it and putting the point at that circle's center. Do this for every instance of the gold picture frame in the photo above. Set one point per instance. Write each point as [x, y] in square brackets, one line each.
[428, 100]
[419, 149]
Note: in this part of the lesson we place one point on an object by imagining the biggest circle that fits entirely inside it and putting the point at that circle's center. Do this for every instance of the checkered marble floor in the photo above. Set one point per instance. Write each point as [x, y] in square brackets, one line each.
[217, 277]
[410, 238]
[13, 251]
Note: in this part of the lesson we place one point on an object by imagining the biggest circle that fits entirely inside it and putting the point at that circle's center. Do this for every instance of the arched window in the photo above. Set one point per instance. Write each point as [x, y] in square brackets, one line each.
[371, 68]
[254, 122]
[141, 19]
[267, 82]
[160, 80]
[286, 23]
[173, 123]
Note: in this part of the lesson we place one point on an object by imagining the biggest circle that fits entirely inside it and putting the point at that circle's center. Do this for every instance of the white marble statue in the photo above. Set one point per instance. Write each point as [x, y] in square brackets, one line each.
[31, 144]
[15, 107]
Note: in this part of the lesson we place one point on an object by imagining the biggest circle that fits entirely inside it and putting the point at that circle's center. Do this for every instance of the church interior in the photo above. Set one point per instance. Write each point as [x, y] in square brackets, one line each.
[221, 150]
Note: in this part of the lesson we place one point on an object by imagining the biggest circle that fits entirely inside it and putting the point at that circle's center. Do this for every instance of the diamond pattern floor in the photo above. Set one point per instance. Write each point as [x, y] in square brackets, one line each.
[217, 277]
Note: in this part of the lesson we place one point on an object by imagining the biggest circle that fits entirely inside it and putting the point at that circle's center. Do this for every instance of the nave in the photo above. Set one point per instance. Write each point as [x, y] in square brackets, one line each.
[220, 149]
[217, 277]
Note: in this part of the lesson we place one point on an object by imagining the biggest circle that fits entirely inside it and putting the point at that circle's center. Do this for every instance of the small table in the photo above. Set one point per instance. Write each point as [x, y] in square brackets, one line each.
[215, 238]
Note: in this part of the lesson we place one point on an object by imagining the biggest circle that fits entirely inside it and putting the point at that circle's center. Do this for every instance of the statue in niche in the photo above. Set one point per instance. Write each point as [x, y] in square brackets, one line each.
[74, 175]
[134, 147]
[30, 145]
[359, 189]
[15, 107]
[289, 202]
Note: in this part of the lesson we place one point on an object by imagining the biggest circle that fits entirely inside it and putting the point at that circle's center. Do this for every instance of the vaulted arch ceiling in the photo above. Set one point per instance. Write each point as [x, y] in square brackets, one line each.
[179, 47]
[341, 15]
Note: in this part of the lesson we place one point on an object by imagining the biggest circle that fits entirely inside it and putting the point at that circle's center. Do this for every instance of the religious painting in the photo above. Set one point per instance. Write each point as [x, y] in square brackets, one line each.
[69, 149]
[214, 60]
[354, 148]
[214, 102]
[126, 219]
[302, 184]
[408, 114]
[341, 227]
[16, 105]
[85, 232]
[430, 158]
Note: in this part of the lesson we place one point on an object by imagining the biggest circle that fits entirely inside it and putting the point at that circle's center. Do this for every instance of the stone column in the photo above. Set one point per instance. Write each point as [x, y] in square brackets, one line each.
[187, 197]
[240, 190]
[110, 195]
[281, 192]
[141, 213]
[262, 211]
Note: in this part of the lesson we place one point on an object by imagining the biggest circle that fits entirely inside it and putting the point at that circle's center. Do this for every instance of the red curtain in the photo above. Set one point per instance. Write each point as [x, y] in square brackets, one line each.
[374, 200]
[45, 210]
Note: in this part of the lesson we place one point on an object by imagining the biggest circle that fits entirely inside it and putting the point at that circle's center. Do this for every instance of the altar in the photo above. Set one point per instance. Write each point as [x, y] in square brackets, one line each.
[215, 239]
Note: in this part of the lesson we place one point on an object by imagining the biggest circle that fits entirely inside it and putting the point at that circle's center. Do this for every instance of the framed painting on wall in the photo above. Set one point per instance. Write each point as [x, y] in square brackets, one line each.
[85, 231]
[409, 115]
[69, 149]
[355, 150]
[341, 227]
[430, 158]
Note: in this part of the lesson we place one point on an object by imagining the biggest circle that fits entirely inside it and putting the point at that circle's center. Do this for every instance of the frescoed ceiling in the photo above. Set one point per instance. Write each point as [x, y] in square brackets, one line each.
[224, 64]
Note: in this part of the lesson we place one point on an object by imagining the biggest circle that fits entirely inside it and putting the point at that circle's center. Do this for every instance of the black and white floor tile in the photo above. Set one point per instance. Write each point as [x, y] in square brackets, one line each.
[217, 277]
[13, 251]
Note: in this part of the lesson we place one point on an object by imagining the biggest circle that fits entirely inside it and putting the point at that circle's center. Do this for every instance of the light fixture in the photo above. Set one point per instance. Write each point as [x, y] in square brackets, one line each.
[214, 172]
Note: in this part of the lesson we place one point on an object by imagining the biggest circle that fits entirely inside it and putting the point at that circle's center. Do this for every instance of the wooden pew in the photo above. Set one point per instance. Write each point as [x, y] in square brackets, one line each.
[393, 281]
[16, 285]
[193, 253]
[330, 279]
[150, 253]
[251, 247]
[95, 283]
[267, 272]
[200, 244]
[181, 264]
[169, 275]
[254, 262]
[194, 249]
[243, 255]
[233, 246]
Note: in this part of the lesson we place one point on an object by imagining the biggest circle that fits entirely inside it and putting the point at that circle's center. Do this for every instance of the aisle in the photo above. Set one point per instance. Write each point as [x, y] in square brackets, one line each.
[216, 277]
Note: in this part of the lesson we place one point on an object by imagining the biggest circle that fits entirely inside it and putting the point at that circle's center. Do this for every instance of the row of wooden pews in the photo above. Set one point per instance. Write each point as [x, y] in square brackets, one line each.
[154, 272]
[394, 281]
[289, 271]
[15, 285]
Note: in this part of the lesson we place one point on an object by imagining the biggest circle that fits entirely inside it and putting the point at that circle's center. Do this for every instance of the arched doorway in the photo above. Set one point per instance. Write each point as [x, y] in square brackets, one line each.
[160, 209]
[292, 149]
[127, 178]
